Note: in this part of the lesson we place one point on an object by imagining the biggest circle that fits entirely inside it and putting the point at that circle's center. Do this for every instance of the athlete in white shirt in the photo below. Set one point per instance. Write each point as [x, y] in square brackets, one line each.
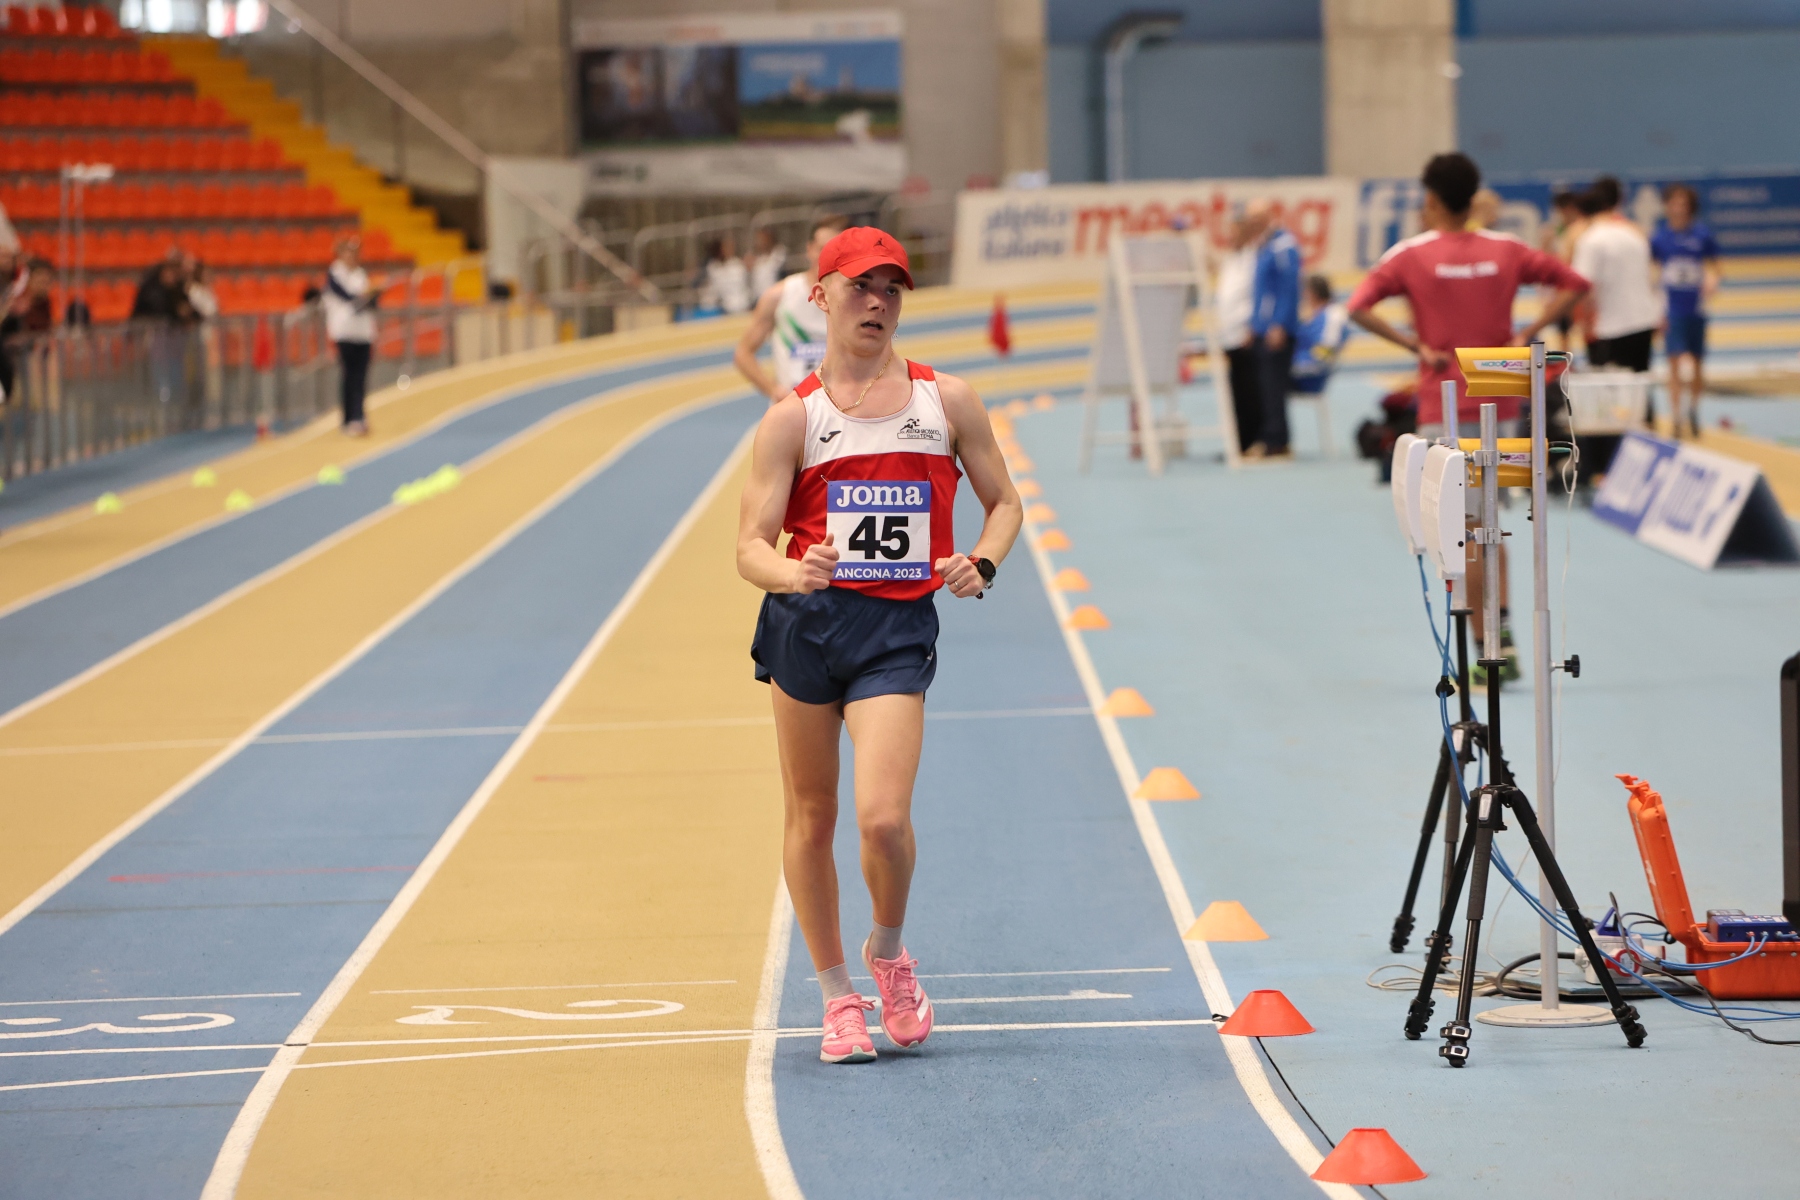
[1613, 255]
[786, 317]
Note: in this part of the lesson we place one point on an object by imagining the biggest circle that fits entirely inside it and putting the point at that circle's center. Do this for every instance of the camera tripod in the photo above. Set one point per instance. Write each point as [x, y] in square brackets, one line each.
[1454, 755]
[1488, 804]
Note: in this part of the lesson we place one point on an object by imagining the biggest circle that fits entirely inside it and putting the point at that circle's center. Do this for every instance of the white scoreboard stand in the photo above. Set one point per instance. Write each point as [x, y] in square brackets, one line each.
[1138, 347]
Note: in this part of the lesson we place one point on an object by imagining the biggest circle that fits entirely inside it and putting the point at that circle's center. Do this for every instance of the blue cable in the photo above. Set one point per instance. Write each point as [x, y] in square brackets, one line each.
[1554, 918]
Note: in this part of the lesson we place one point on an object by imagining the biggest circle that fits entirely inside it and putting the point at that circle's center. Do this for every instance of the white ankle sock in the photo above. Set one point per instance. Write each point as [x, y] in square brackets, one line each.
[835, 982]
[884, 942]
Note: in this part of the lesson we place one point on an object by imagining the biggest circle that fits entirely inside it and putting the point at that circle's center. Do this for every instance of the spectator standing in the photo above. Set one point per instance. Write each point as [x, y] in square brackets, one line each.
[350, 299]
[1558, 237]
[787, 320]
[1274, 319]
[1461, 283]
[206, 310]
[162, 304]
[766, 261]
[1689, 256]
[1233, 296]
[27, 310]
[1485, 209]
[1614, 256]
[724, 280]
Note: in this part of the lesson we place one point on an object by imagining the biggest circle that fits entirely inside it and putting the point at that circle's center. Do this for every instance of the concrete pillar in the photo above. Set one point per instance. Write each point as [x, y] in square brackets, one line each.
[1024, 134]
[1390, 85]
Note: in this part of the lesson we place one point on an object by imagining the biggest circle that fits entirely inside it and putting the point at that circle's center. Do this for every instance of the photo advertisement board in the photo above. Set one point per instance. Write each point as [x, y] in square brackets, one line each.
[741, 103]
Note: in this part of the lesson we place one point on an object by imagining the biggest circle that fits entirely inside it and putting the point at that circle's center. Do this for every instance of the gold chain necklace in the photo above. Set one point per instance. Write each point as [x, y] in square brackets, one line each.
[866, 386]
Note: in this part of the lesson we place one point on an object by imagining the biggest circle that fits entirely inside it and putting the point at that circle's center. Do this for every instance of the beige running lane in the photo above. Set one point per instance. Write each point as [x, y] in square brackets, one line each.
[178, 700]
[627, 866]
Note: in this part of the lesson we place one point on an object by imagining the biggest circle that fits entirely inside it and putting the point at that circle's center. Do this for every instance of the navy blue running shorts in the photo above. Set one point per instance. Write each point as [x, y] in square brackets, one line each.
[1686, 335]
[839, 644]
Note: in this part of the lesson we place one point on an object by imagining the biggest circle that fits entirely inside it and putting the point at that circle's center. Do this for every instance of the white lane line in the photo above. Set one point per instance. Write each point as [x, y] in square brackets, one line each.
[148, 999]
[93, 853]
[381, 735]
[1039, 974]
[591, 1042]
[304, 434]
[550, 987]
[135, 1050]
[287, 566]
[1083, 994]
[1238, 1051]
[228, 1168]
[759, 1070]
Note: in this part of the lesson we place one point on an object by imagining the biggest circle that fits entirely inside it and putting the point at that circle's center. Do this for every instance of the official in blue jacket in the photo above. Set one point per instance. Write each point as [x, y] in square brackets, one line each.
[1274, 320]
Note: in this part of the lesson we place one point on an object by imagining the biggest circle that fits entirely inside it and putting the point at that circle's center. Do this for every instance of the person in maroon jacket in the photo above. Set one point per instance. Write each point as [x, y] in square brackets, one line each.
[1461, 282]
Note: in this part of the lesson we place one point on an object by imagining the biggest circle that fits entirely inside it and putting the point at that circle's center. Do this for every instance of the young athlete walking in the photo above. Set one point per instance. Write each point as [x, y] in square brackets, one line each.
[859, 464]
[787, 320]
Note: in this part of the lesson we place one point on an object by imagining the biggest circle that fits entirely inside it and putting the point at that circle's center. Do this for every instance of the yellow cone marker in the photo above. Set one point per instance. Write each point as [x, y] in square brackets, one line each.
[1043, 514]
[1017, 408]
[1009, 447]
[205, 477]
[1225, 921]
[330, 474]
[1001, 423]
[1070, 580]
[1029, 489]
[1019, 464]
[1129, 702]
[1088, 617]
[239, 501]
[1165, 783]
[109, 502]
[1053, 539]
[1043, 402]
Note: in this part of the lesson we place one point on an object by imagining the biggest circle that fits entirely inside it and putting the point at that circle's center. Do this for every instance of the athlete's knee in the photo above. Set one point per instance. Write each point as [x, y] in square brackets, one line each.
[886, 833]
[812, 819]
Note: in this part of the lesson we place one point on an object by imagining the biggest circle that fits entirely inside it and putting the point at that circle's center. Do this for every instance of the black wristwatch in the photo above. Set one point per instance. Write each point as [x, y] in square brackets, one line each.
[987, 568]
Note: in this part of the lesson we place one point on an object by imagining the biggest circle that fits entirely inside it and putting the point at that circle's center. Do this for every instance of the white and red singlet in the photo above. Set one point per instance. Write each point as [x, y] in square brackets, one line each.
[884, 487]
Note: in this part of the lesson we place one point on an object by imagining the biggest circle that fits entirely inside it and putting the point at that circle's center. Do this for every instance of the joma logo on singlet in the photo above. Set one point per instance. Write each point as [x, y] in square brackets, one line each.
[914, 432]
[881, 495]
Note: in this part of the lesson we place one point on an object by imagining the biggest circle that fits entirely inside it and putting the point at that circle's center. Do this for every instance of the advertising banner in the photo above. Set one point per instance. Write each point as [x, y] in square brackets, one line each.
[748, 103]
[1009, 237]
[1695, 505]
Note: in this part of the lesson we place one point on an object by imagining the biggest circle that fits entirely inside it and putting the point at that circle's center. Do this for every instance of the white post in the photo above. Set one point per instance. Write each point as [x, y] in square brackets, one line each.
[1540, 672]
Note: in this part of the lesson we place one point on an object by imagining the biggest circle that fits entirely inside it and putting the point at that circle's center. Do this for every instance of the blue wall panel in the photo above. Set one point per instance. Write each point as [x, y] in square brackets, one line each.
[1656, 103]
[1199, 111]
[1080, 22]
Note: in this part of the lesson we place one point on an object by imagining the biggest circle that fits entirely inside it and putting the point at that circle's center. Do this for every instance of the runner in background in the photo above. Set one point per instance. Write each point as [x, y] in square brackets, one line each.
[1461, 283]
[1614, 256]
[859, 465]
[786, 314]
[1689, 256]
[1558, 237]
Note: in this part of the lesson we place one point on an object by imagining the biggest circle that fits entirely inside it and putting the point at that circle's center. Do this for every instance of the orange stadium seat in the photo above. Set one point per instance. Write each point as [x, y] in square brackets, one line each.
[159, 203]
[267, 155]
[184, 202]
[183, 154]
[214, 246]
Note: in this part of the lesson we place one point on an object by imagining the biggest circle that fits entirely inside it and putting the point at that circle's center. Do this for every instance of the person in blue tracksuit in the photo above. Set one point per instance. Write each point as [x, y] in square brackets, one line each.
[1274, 320]
[1321, 336]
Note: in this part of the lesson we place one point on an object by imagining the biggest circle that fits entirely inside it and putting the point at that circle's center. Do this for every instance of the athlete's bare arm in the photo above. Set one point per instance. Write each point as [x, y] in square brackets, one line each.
[762, 324]
[988, 479]
[774, 461]
[1553, 311]
[1436, 360]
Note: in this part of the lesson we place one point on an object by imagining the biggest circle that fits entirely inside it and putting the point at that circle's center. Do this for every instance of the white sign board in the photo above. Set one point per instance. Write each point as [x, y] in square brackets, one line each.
[1009, 237]
[1698, 506]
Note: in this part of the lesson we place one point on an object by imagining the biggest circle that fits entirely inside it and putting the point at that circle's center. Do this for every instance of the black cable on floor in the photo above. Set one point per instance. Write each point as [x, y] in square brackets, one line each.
[1301, 1104]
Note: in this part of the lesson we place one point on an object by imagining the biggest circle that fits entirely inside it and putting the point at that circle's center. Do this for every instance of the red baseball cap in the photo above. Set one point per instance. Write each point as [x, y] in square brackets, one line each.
[862, 248]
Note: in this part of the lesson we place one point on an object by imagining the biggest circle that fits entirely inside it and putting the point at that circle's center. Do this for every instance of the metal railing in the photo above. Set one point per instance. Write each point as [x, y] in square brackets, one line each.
[77, 393]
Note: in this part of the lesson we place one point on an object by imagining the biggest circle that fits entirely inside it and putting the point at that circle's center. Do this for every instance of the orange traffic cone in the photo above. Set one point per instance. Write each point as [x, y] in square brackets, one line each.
[1043, 402]
[1053, 539]
[1368, 1157]
[1165, 783]
[1088, 617]
[1129, 702]
[262, 345]
[1028, 489]
[1225, 921]
[1069, 580]
[1266, 1013]
[1041, 514]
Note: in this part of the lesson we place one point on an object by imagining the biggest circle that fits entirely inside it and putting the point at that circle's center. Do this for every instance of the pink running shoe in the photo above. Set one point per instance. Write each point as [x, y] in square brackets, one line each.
[905, 1009]
[847, 1037]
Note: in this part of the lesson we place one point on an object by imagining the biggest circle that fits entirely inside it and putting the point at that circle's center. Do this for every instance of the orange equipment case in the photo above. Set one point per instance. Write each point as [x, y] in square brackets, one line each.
[1774, 974]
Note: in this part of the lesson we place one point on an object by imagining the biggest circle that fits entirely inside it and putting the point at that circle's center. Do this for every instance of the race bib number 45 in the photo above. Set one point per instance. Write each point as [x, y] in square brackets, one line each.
[881, 529]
